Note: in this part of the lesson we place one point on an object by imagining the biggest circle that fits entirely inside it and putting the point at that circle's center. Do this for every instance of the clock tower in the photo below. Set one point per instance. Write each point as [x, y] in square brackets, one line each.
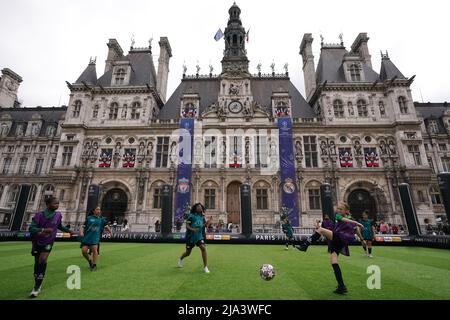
[235, 97]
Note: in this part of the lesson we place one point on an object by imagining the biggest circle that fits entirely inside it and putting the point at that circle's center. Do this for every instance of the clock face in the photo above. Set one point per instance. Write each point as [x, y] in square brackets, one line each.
[235, 107]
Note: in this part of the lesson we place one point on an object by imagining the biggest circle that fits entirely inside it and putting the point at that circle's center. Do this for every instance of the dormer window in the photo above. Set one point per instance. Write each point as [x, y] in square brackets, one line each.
[76, 109]
[135, 110]
[120, 76]
[433, 126]
[362, 108]
[402, 105]
[338, 109]
[355, 74]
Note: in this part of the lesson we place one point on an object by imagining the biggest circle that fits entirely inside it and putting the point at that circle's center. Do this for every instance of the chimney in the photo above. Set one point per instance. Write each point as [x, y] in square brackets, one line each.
[165, 53]
[9, 85]
[360, 46]
[115, 52]
[309, 70]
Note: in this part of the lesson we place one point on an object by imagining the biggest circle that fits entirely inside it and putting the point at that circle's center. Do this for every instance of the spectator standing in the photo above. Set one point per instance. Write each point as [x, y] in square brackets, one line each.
[384, 228]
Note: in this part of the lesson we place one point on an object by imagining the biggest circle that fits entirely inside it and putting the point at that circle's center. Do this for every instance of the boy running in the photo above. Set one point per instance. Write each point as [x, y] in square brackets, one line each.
[289, 232]
[43, 228]
[195, 234]
[341, 235]
[90, 234]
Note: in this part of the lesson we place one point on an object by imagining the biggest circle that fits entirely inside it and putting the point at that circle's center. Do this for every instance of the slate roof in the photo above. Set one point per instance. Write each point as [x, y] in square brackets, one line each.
[89, 75]
[262, 90]
[50, 117]
[389, 70]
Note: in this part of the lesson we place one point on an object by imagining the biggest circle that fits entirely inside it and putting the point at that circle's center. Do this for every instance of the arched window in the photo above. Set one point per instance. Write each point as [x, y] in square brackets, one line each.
[420, 196]
[76, 108]
[435, 195]
[135, 110]
[338, 109]
[362, 108]
[433, 126]
[355, 74]
[113, 111]
[120, 76]
[402, 105]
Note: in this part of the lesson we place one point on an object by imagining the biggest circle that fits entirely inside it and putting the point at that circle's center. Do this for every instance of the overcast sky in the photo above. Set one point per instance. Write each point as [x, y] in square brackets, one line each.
[49, 42]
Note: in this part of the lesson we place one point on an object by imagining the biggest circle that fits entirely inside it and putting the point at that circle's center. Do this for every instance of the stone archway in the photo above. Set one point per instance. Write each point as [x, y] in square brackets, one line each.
[360, 200]
[114, 205]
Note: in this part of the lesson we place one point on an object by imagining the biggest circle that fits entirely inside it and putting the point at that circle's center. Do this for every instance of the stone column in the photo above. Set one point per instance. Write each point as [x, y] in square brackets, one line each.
[4, 196]
[37, 198]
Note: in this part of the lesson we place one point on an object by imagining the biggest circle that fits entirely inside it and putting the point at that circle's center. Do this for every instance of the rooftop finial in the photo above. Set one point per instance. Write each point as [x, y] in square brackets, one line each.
[272, 66]
[132, 41]
[341, 37]
[321, 40]
[384, 55]
[150, 42]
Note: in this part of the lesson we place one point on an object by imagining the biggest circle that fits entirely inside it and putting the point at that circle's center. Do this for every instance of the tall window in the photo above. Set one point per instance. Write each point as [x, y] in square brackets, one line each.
[22, 165]
[260, 152]
[414, 150]
[6, 165]
[62, 193]
[67, 156]
[442, 147]
[445, 164]
[33, 193]
[52, 164]
[261, 199]
[420, 197]
[76, 109]
[113, 111]
[13, 193]
[210, 198]
[355, 74]
[120, 76]
[314, 199]
[210, 152]
[162, 152]
[310, 151]
[402, 105]
[338, 109]
[95, 111]
[435, 195]
[236, 152]
[430, 162]
[42, 148]
[362, 108]
[135, 110]
[157, 194]
[38, 166]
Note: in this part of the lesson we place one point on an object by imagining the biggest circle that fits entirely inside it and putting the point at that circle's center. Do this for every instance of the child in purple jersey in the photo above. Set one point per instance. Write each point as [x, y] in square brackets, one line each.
[339, 238]
[43, 228]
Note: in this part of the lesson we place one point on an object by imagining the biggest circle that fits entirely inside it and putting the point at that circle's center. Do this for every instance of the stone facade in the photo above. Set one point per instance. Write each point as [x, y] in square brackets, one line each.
[358, 130]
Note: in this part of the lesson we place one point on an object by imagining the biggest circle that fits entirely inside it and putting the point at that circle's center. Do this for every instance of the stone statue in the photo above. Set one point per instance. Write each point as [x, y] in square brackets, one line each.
[392, 148]
[298, 149]
[383, 147]
[35, 129]
[357, 147]
[332, 148]
[50, 131]
[323, 148]
[173, 152]
[150, 151]
[351, 111]
[141, 150]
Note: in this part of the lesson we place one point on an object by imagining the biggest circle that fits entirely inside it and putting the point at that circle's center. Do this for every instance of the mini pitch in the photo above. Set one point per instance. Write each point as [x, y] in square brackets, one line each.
[149, 271]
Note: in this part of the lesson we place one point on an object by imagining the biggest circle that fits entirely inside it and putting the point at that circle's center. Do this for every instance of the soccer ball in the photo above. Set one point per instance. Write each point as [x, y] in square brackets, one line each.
[267, 272]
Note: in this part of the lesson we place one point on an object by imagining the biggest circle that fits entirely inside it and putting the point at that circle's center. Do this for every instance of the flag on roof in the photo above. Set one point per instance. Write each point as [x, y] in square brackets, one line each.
[218, 35]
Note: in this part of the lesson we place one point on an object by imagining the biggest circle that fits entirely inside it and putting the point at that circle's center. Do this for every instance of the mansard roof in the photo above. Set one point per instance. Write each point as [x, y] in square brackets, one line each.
[262, 90]
[431, 110]
[330, 67]
[50, 117]
[142, 69]
[389, 70]
[89, 75]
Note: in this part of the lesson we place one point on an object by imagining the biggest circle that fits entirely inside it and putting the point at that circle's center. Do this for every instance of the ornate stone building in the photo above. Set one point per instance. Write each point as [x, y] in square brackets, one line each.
[356, 129]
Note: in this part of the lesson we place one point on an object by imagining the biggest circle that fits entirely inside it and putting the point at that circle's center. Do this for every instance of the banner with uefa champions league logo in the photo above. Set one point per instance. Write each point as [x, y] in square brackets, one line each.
[289, 190]
[184, 172]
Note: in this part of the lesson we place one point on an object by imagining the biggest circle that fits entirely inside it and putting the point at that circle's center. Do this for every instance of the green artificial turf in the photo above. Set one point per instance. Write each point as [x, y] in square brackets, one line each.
[149, 271]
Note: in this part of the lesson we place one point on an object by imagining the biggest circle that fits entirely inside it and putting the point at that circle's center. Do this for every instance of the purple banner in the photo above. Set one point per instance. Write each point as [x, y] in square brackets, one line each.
[184, 172]
[289, 192]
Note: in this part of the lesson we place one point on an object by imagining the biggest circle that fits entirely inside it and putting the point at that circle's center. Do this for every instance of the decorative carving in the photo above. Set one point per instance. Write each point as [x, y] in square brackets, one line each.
[323, 148]
[357, 147]
[4, 130]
